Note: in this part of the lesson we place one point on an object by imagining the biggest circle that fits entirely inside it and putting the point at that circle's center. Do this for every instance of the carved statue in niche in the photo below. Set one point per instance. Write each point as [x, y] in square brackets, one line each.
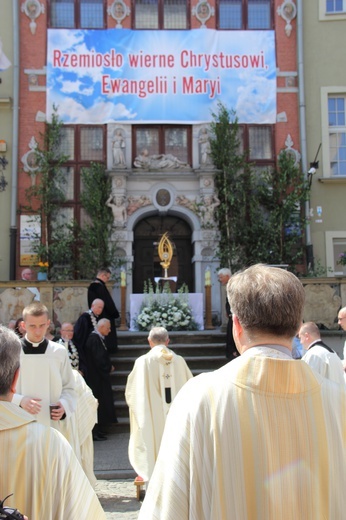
[205, 148]
[117, 205]
[158, 162]
[135, 203]
[118, 146]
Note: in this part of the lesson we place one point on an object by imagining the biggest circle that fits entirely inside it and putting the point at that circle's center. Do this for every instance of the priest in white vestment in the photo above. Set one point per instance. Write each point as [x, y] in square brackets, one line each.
[151, 387]
[342, 323]
[46, 377]
[38, 466]
[262, 438]
[86, 410]
[320, 356]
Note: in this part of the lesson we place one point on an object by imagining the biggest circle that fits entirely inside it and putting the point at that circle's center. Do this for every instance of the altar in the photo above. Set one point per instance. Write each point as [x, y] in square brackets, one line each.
[195, 301]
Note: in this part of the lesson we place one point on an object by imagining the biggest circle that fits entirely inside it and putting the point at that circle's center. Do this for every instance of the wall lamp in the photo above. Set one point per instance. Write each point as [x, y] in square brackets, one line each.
[3, 181]
[313, 167]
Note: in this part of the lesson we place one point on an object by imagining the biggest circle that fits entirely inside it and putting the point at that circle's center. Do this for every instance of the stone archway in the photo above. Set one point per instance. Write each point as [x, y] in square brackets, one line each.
[147, 234]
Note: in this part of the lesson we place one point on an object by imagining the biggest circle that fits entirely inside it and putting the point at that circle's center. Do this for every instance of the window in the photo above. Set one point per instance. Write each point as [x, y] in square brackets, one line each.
[245, 14]
[335, 245]
[330, 10]
[82, 144]
[81, 14]
[337, 134]
[258, 140]
[335, 6]
[163, 139]
[161, 14]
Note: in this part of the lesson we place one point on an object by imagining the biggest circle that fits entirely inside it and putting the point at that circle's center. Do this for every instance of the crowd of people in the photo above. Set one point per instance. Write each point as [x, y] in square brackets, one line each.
[55, 394]
[264, 437]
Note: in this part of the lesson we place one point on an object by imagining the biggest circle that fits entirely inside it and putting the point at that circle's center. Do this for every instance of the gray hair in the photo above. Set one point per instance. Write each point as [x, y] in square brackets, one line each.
[10, 348]
[102, 322]
[267, 300]
[224, 272]
[158, 335]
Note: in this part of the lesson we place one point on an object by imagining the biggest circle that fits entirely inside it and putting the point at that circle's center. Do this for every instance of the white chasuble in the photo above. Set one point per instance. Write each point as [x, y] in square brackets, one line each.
[262, 438]
[152, 385]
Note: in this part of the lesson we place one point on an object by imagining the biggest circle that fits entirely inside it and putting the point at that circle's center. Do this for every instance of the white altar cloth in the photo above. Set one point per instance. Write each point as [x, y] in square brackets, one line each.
[195, 302]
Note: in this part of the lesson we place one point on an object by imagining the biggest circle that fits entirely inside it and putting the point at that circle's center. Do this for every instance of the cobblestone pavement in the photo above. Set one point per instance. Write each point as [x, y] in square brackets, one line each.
[118, 499]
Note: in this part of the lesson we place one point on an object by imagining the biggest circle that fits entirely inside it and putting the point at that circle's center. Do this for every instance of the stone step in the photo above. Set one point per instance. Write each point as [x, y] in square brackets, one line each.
[141, 338]
[203, 351]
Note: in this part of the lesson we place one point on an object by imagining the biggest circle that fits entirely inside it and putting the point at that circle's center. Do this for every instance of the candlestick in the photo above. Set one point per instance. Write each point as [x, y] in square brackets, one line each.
[207, 276]
[122, 278]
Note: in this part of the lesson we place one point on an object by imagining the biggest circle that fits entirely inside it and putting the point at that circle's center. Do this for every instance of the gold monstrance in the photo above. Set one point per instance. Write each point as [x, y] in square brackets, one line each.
[165, 250]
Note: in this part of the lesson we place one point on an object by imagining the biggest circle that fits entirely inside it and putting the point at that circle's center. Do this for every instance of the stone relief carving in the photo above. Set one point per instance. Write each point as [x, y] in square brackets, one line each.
[29, 160]
[32, 9]
[158, 162]
[181, 200]
[291, 151]
[69, 304]
[12, 303]
[203, 11]
[118, 11]
[288, 11]
[321, 305]
[135, 203]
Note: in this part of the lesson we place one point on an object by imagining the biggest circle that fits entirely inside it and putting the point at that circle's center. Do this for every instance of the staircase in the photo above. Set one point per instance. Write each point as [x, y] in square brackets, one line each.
[203, 351]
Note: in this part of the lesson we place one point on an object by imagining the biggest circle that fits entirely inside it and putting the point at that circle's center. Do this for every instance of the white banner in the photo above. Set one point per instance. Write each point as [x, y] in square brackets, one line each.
[154, 76]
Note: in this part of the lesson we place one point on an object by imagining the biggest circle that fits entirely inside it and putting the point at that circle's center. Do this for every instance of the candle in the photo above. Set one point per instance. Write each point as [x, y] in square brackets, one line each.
[207, 276]
[123, 278]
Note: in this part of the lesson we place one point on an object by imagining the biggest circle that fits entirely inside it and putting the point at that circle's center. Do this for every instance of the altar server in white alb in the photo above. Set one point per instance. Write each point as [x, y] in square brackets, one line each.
[38, 466]
[319, 355]
[46, 377]
[151, 387]
[262, 438]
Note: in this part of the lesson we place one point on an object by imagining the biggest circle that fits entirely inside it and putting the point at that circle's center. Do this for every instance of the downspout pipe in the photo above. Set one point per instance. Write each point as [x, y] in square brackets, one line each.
[15, 137]
[302, 127]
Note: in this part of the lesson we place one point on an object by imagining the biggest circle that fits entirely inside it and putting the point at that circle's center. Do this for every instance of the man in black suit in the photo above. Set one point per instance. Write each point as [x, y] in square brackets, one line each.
[99, 368]
[98, 290]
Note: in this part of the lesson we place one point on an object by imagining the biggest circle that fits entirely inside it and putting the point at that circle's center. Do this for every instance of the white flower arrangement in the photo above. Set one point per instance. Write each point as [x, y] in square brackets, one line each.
[162, 309]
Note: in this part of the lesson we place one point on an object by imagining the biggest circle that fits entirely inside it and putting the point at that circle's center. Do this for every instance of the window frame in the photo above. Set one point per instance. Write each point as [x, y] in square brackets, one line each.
[325, 16]
[268, 162]
[161, 134]
[160, 4]
[245, 11]
[326, 93]
[77, 163]
[330, 236]
[77, 16]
